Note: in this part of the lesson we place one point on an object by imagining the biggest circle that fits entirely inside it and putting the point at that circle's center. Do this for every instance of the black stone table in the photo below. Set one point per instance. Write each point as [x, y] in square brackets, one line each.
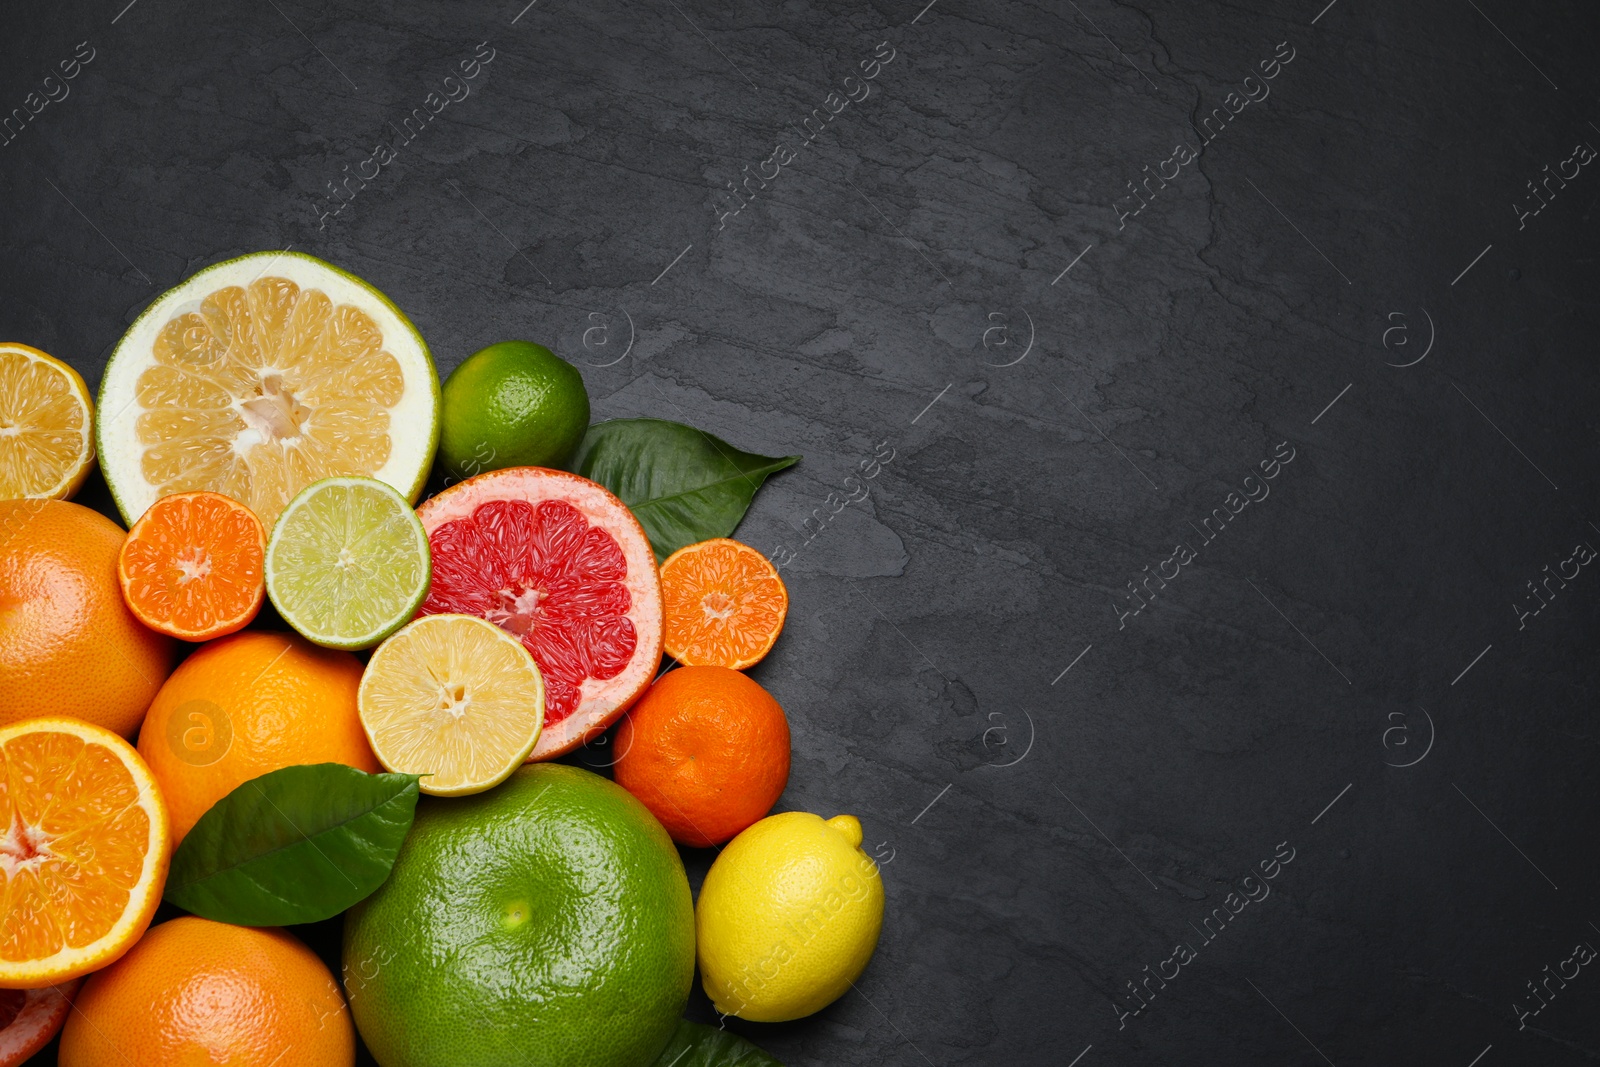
[1210, 659]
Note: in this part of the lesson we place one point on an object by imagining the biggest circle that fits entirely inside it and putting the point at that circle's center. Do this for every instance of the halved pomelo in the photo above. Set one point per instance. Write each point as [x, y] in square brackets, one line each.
[259, 376]
[561, 563]
[29, 1018]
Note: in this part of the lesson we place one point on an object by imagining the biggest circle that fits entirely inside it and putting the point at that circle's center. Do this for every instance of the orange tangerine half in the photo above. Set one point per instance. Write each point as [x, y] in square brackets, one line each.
[724, 604]
[83, 850]
[192, 566]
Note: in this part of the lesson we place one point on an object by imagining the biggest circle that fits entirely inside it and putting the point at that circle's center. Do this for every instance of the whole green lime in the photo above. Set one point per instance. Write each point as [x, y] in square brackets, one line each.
[513, 404]
[546, 921]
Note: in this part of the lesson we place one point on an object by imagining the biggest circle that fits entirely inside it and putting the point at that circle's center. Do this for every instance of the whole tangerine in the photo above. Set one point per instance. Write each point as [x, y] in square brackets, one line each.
[246, 704]
[68, 644]
[706, 749]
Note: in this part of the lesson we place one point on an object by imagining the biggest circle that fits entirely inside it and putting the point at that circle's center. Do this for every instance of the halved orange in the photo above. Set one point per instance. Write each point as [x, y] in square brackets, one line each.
[46, 425]
[83, 852]
[192, 566]
[724, 604]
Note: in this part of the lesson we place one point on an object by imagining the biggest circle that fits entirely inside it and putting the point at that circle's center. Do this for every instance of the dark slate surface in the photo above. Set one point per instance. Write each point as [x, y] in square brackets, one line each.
[1350, 272]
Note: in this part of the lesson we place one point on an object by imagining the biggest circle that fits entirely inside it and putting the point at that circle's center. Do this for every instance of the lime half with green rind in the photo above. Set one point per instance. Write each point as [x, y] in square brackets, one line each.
[348, 562]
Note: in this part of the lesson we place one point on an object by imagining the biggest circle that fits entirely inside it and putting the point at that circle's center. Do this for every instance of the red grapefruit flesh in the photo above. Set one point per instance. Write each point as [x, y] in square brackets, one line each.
[29, 1018]
[561, 563]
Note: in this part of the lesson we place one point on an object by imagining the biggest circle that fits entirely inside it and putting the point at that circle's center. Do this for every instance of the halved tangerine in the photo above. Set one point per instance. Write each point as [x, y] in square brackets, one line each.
[723, 603]
[562, 564]
[192, 566]
[83, 850]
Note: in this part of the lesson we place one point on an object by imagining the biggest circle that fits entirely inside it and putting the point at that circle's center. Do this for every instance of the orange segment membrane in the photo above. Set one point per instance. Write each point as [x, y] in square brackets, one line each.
[72, 845]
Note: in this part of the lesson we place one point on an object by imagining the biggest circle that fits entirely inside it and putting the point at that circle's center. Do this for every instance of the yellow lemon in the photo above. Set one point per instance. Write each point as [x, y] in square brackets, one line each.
[788, 917]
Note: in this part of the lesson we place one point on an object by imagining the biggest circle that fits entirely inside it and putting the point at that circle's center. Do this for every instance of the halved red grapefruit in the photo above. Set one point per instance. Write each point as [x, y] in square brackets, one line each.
[29, 1018]
[561, 563]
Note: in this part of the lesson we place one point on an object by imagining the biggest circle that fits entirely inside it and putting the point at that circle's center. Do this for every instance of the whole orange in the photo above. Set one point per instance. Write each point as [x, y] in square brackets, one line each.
[68, 644]
[195, 992]
[706, 749]
[244, 705]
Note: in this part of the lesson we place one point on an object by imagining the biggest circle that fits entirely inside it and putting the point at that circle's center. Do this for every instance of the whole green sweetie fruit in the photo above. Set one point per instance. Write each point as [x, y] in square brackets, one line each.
[547, 921]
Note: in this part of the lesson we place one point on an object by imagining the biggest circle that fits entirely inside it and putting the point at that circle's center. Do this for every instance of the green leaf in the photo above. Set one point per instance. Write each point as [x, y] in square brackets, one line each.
[697, 1045]
[683, 484]
[296, 845]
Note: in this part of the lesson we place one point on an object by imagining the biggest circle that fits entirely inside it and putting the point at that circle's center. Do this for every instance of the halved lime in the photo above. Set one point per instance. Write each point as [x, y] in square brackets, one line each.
[348, 562]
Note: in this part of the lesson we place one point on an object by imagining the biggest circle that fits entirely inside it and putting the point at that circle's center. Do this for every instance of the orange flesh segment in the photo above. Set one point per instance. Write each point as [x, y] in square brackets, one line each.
[262, 391]
[192, 565]
[724, 604]
[72, 845]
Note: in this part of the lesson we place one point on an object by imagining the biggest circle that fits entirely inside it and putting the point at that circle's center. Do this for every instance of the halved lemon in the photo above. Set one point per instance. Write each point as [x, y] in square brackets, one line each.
[454, 698]
[84, 847]
[46, 426]
[261, 375]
